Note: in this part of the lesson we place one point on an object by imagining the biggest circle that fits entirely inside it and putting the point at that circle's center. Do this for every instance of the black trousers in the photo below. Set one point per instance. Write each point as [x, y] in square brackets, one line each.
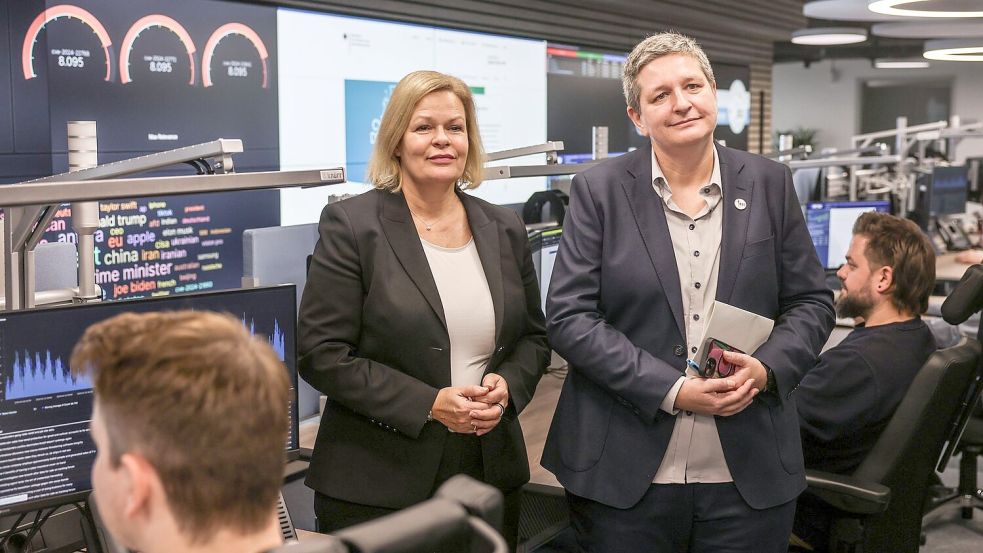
[813, 520]
[696, 518]
[462, 455]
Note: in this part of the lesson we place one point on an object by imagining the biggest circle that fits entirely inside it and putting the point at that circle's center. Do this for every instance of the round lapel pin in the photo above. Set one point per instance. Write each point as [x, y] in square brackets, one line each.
[739, 203]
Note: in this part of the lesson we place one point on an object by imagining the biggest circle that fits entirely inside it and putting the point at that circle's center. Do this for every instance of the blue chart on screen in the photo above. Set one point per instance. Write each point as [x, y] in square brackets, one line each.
[365, 101]
[39, 374]
[277, 338]
[45, 410]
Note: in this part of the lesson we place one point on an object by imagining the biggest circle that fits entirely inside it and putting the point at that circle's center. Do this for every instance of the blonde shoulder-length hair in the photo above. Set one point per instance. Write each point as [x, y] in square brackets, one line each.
[383, 170]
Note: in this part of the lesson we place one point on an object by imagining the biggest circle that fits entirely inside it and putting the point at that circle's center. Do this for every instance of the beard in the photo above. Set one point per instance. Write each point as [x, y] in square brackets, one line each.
[855, 304]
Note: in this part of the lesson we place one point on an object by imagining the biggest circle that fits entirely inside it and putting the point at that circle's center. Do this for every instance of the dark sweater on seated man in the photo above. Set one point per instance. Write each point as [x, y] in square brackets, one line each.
[847, 399]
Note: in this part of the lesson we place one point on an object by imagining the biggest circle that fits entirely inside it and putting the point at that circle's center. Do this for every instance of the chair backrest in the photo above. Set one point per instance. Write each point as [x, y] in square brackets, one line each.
[461, 508]
[906, 452]
[969, 408]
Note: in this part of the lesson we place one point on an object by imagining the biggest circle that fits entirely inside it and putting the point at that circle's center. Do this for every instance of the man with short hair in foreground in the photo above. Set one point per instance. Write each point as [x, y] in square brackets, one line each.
[189, 420]
[846, 401]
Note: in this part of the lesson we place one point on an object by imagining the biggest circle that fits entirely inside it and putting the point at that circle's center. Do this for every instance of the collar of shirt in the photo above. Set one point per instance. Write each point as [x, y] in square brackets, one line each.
[661, 185]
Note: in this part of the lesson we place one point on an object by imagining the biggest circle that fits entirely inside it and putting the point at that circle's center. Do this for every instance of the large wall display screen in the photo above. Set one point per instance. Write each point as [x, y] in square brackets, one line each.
[46, 452]
[585, 91]
[154, 76]
[26, 153]
[336, 75]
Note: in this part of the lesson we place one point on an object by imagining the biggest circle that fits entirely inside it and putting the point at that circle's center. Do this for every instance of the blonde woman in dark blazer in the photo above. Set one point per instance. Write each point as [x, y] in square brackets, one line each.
[420, 320]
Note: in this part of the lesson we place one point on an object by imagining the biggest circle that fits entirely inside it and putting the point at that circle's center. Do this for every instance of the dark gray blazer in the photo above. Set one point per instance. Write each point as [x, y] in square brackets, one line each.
[373, 338]
[615, 313]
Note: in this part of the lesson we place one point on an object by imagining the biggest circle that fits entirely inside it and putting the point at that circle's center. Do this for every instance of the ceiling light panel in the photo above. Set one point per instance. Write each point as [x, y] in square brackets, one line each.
[891, 63]
[926, 8]
[954, 50]
[829, 36]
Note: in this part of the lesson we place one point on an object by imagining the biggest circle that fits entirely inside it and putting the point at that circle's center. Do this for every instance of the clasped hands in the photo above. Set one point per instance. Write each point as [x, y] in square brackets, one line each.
[472, 409]
[724, 396]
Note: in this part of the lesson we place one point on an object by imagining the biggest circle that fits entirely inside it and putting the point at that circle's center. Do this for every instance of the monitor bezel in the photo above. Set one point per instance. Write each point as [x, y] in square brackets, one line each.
[961, 170]
[81, 495]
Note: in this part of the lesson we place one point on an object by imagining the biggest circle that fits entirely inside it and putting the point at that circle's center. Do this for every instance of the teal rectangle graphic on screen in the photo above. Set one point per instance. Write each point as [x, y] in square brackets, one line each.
[365, 102]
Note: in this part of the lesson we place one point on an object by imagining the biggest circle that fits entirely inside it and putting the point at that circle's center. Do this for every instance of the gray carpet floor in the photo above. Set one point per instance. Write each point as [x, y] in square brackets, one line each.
[945, 530]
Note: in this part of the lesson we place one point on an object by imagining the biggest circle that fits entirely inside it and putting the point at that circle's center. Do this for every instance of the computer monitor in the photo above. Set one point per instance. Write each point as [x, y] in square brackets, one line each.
[46, 453]
[975, 172]
[949, 191]
[544, 245]
[831, 227]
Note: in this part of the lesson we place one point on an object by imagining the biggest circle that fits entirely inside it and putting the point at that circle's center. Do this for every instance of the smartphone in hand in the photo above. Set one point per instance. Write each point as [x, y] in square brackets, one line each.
[713, 364]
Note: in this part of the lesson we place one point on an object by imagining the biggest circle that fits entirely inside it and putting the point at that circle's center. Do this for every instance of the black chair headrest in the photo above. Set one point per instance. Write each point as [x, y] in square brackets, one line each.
[532, 210]
[966, 298]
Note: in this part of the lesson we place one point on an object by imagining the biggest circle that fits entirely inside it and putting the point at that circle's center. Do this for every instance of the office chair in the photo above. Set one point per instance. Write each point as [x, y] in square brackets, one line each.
[879, 506]
[532, 210]
[462, 507]
[964, 301]
[968, 493]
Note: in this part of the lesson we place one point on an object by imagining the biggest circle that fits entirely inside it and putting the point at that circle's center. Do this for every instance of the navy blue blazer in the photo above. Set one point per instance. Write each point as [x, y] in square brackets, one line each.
[615, 313]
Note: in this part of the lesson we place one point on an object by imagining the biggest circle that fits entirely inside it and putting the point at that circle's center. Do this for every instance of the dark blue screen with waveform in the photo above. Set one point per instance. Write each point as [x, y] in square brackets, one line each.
[46, 453]
[37, 374]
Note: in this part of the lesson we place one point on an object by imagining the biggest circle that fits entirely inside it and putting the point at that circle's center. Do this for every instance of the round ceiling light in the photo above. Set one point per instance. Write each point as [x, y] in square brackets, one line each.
[844, 10]
[890, 7]
[954, 50]
[829, 36]
[893, 63]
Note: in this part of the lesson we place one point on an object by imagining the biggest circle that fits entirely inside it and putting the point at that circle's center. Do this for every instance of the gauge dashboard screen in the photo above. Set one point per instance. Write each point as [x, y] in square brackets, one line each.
[301, 89]
[154, 76]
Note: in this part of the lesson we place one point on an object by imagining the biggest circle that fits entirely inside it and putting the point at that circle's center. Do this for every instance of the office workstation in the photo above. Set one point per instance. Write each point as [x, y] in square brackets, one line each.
[468, 238]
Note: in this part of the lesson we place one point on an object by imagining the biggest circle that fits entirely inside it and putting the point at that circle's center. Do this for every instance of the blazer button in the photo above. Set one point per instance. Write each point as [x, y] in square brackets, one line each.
[679, 351]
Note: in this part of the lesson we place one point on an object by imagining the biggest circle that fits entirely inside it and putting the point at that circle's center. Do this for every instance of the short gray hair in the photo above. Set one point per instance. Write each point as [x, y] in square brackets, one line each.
[656, 46]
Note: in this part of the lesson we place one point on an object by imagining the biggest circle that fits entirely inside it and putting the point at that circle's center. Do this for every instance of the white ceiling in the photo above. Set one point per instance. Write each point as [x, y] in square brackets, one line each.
[856, 10]
[929, 29]
[890, 36]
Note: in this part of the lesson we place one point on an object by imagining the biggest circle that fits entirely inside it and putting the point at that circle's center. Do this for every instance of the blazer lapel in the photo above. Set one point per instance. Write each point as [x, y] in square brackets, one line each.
[650, 216]
[405, 242]
[736, 186]
[486, 240]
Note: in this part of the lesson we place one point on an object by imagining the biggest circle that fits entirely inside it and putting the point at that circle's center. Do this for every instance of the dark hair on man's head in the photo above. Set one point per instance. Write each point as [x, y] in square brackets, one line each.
[900, 244]
[204, 402]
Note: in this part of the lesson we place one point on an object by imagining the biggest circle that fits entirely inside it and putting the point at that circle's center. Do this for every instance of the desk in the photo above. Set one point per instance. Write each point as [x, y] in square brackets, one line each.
[947, 269]
[308, 536]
